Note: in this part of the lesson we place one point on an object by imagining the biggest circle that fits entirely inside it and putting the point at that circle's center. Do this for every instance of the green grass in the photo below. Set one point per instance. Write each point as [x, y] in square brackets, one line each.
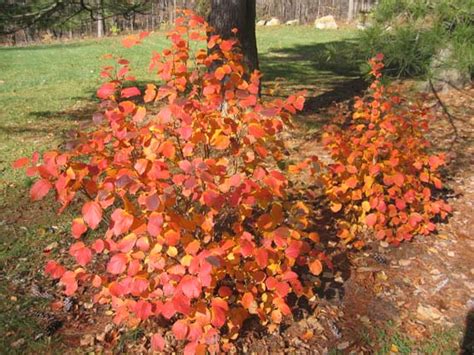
[46, 90]
[43, 88]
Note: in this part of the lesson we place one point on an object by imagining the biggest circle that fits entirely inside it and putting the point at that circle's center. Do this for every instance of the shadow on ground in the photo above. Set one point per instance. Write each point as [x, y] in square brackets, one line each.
[331, 72]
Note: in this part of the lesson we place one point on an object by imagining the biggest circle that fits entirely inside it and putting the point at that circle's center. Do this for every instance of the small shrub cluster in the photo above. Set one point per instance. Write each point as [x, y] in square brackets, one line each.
[184, 212]
[382, 176]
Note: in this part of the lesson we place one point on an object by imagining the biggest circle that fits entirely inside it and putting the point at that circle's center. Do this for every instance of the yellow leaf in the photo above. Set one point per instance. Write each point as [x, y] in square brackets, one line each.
[186, 260]
[366, 206]
[172, 251]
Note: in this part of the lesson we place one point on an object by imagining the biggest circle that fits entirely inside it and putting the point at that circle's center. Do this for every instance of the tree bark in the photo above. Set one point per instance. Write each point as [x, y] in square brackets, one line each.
[228, 14]
[100, 19]
[350, 11]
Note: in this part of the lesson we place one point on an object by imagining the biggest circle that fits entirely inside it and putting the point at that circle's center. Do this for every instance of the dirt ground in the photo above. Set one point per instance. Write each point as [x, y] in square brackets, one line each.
[416, 298]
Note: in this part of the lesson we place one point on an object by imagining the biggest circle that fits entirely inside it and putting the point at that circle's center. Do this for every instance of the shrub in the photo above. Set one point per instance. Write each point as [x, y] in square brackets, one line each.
[411, 33]
[185, 216]
[382, 176]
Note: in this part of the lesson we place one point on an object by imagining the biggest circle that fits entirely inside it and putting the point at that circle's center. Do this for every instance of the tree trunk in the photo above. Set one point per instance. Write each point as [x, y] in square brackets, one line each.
[228, 14]
[350, 11]
[100, 19]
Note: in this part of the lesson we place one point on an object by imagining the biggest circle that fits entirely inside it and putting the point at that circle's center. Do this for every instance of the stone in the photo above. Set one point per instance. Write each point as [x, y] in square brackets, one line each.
[18, 343]
[326, 23]
[404, 262]
[273, 22]
[342, 346]
[261, 23]
[428, 313]
[445, 75]
[292, 22]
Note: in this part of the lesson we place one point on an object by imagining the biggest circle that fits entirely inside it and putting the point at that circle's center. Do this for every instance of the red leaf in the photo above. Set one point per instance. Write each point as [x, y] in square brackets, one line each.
[130, 41]
[40, 189]
[92, 213]
[211, 198]
[168, 150]
[371, 219]
[256, 130]
[227, 45]
[435, 162]
[69, 280]
[98, 246]
[143, 309]
[282, 306]
[219, 311]
[299, 103]
[155, 221]
[78, 227]
[399, 179]
[144, 34]
[261, 256]
[82, 253]
[351, 182]
[54, 269]
[127, 243]
[130, 92]
[191, 286]
[248, 300]
[157, 342]
[117, 264]
[294, 249]
[140, 114]
[20, 163]
[180, 329]
[106, 90]
[122, 221]
[414, 219]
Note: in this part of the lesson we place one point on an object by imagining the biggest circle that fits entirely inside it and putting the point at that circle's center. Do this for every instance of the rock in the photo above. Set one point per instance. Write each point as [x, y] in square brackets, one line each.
[361, 27]
[342, 346]
[292, 22]
[326, 23]
[404, 262]
[428, 313]
[445, 75]
[87, 339]
[18, 343]
[273, 22]
[261, 23]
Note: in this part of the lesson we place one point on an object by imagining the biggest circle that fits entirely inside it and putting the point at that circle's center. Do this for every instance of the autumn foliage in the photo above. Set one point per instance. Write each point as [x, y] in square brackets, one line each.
[184, 216]
[383, 177]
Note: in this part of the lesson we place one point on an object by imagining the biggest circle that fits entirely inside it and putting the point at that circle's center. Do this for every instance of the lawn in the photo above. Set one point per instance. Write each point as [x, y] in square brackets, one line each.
[44, 88]
[47, 90]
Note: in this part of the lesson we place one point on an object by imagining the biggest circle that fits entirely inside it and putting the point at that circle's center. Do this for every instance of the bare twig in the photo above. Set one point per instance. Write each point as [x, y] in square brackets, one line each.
[448, 115]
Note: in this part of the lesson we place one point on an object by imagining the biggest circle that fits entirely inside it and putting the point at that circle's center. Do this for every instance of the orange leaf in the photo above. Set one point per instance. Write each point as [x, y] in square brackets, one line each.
[316, 267]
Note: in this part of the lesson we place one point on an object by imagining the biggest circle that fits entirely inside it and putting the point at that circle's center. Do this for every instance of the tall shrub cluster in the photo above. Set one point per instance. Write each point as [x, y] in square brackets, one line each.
[186, 219]
[184, 211]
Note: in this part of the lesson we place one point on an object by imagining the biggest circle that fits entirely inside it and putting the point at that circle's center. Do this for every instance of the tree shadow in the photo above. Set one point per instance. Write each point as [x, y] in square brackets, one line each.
[331, 72]
[467, 345]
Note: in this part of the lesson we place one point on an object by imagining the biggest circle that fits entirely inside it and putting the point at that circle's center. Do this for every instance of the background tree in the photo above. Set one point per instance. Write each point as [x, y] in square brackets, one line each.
[228, 14]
